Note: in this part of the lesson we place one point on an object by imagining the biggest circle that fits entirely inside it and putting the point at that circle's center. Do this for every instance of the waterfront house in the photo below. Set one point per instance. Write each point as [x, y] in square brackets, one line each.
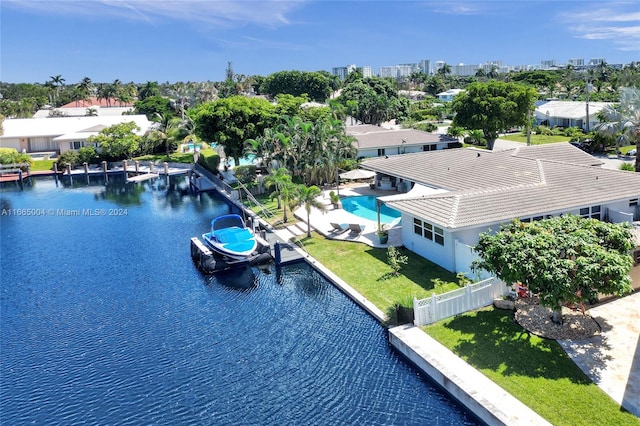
[448, 197]
[448, 95]
[56, 135]
[376, 141]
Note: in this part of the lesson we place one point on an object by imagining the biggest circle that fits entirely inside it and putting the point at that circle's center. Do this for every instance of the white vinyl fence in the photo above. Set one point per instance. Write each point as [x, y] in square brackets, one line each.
[472, 296]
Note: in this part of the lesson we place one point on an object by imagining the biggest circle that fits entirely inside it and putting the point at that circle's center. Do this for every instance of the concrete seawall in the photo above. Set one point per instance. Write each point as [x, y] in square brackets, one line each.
[488, 401]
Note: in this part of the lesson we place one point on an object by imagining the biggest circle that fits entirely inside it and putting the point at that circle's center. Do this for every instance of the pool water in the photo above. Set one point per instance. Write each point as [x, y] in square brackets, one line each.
[106, 320]
[364, 206]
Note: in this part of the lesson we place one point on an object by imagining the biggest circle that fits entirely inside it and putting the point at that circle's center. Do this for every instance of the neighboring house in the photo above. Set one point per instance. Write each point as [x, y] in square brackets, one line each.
[568, 114]
[458, 193]
[95, 102]
[448, 95]
[60, 134]
[375, 141]
[82, 112]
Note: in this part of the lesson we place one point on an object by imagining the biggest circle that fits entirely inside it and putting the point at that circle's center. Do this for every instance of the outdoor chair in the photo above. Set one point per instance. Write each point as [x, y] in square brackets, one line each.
[339, 227]
[356, 229]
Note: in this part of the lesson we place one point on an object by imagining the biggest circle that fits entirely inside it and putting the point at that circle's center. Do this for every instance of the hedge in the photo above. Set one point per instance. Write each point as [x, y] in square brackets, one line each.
[210, 160]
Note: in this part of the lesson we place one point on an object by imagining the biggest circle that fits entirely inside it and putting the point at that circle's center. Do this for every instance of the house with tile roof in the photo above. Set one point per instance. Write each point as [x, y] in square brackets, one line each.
[60, 134]
[448, 197]
[568, 113]
[376, 141]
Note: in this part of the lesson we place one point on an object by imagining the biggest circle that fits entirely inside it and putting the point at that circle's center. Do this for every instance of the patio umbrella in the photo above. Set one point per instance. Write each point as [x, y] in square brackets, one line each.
[357, 174]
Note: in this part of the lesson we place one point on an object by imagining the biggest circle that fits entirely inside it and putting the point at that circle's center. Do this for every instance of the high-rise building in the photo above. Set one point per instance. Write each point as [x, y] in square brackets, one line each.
[343, 72]
[425, 66]
[576, 62]
[546, 64]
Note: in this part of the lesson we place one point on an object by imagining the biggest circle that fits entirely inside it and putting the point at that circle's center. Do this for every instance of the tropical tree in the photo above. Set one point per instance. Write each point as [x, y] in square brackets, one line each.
[444, 70]
[150, 88]
[622, 121]
[119, 141]
[306, 196]
[297, 83]
[288, 192]
[493, 107]
[373, 100]
[565, 259]
[56, 82]
[230, 122]
[84, 89]
[277, 179]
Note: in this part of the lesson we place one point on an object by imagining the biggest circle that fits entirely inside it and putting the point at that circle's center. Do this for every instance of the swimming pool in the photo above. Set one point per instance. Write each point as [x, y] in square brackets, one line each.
[364, 206]
[117, 326]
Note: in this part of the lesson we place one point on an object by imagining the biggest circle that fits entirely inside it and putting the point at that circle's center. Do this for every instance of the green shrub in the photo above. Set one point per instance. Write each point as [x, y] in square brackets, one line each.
[89, 155]
[71, 158]
[628, 167]
[12, 156]
[246, 174]
[210, 160]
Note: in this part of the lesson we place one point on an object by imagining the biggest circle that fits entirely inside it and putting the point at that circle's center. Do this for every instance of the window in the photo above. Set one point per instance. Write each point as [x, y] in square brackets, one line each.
[380, 152]
[633, 202]
[431, 147]
[591, 212]
[76, 144]
[428, 231]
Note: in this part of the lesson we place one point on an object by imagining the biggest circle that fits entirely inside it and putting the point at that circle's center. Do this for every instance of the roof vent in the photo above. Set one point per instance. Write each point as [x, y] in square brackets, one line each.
[478, 154]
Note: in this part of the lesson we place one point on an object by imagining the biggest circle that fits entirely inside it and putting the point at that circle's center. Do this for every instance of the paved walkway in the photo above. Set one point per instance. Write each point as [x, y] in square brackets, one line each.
[612, 359]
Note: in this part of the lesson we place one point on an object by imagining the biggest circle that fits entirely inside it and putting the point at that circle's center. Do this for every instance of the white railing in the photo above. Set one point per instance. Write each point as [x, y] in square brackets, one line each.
[472, 296]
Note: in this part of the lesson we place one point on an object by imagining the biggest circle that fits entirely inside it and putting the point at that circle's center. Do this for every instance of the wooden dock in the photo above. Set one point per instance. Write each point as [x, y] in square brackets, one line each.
[143, 177]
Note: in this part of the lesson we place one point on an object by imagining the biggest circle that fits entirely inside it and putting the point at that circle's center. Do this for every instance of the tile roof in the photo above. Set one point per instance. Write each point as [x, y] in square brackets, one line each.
[370, 136]
[495, 187]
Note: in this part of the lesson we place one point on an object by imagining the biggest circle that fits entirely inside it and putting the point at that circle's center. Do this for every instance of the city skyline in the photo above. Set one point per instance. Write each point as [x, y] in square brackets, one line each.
[143, 40]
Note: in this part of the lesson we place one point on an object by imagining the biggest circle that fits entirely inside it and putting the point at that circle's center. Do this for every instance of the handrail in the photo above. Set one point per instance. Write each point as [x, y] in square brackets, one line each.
[253, 199]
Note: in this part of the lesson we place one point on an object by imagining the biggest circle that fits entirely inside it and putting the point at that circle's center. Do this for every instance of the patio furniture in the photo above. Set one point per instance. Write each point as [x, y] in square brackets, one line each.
[338, 227]
[356, 229]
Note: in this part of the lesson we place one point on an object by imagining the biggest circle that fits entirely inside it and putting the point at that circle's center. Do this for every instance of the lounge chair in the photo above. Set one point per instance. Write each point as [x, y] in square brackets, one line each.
[338, 227]
[356, 229]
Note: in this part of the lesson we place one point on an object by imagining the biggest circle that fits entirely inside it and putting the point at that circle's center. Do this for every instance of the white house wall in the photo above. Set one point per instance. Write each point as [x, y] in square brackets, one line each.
[11, 143]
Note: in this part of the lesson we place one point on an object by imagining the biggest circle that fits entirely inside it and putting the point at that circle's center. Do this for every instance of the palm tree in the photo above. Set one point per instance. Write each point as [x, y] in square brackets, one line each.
[150, 88]
[306, 196]
[56, 81]
[277, 178]
[85, 89]
[623, 120]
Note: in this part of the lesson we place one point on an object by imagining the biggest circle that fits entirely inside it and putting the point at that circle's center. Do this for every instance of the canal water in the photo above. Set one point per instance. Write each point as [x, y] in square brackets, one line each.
[105, 320]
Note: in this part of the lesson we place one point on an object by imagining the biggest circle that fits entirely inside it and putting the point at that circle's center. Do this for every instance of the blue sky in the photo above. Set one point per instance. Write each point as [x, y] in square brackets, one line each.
[192, 40]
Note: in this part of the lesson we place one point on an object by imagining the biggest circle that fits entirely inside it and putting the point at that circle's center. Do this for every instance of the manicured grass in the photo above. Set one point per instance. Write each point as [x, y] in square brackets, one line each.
[41, 165]
[275, 216]
[172, 158]
[536, 371]
[365, 269]
[535, 139]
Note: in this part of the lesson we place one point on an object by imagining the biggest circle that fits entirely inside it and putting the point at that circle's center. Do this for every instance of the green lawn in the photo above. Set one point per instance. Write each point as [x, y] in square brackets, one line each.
[365, 269]
[41, 165]
[535, 139]
[536, 371]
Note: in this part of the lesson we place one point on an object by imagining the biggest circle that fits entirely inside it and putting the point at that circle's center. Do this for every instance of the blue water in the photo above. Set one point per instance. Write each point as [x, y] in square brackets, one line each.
[364, 206]
[105, 320]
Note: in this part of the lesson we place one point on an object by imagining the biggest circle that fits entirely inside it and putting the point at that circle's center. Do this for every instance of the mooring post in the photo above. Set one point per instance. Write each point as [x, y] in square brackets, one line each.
[277, 256]
[20, 179]
[166, 168]
[55, 171]
[125, 165]
[86, 168]
[137, 164]
[150, 166]
[104, 170]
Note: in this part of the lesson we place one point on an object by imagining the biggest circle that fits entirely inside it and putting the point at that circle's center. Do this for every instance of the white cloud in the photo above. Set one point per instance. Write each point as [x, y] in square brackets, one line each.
[619, 22]
[227, 13]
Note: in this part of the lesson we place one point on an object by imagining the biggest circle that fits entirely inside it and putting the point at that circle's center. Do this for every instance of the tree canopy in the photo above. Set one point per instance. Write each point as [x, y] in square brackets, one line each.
[373, 100]
[119, 141]
[493, 107]
[229, 122]
[565, 259]
[316, 85]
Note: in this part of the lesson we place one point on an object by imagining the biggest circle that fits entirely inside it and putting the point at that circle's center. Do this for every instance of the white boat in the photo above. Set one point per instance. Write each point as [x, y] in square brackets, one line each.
[230, 237]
